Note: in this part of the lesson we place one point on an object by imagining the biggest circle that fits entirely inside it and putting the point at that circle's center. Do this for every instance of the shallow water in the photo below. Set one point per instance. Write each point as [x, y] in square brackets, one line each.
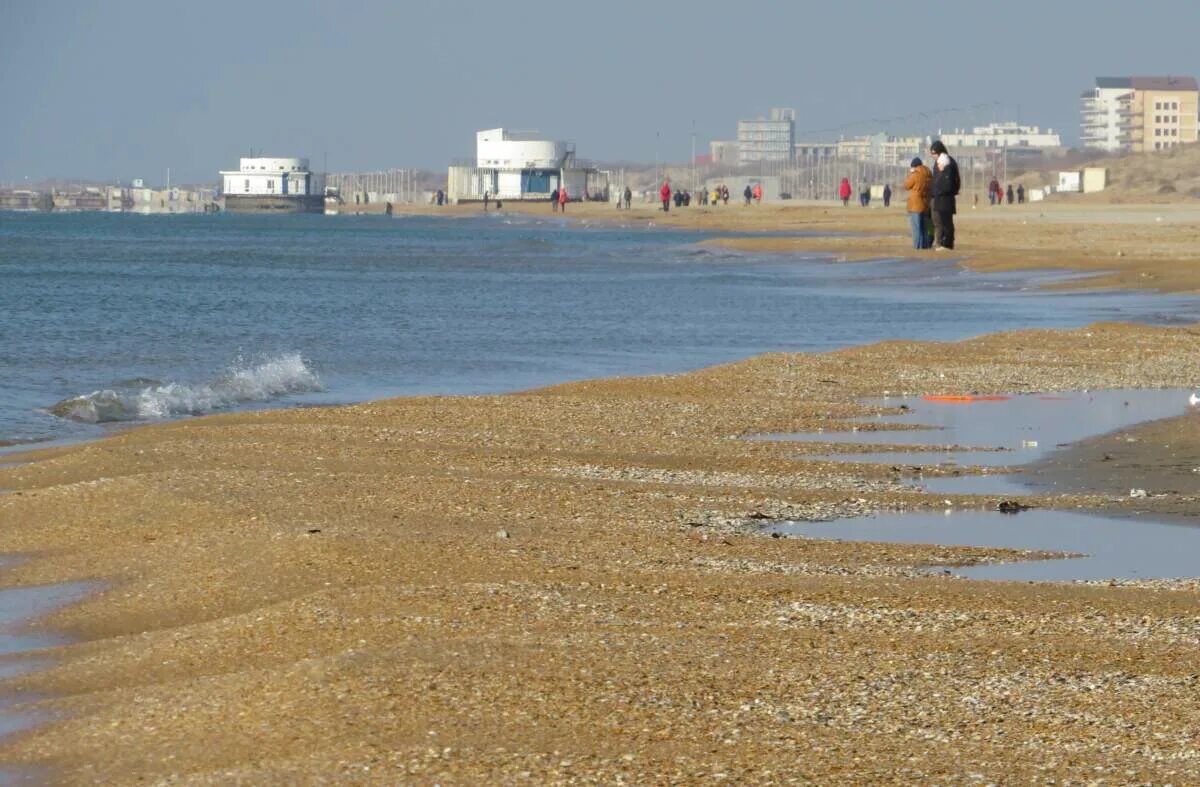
[1115, 548]
[1022, 429]
[1027, 428]
[116, 317]
[19, 606]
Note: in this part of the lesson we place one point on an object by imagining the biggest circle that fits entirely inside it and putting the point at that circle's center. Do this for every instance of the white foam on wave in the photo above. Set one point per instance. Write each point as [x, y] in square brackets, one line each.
[275, 377]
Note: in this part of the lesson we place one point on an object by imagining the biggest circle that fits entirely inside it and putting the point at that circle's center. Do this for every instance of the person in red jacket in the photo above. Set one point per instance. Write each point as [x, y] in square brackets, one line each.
[665, 194]
[844, 191]
[562, 199]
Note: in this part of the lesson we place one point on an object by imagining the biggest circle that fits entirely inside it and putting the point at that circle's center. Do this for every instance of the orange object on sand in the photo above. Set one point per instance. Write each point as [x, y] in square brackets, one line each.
[964, 398]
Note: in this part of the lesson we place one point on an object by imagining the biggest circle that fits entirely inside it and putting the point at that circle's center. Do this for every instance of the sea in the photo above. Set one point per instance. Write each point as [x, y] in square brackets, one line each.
[108, 320]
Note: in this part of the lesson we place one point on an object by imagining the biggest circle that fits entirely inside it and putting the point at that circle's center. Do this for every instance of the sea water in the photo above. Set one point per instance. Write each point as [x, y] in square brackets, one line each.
[114, 318]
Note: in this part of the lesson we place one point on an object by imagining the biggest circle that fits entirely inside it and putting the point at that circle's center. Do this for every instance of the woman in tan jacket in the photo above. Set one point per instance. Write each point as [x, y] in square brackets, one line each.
[919, 185]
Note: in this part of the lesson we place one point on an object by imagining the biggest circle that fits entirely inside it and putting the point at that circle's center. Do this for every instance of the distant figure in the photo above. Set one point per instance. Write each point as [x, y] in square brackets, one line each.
[716, 196]
[1010, 194]
[387, 208]
[747, 194]
[487, 196]
[441, 198]
[887, 195]
[687, 198]
[864, 195]
[562, 198]
[757, 192]
[664, 194]
[918, 184]
[1020, 193]
[724, 195]
[993, 192]
[554, 201]
[844, 191]
[946, 185]
[628, 198]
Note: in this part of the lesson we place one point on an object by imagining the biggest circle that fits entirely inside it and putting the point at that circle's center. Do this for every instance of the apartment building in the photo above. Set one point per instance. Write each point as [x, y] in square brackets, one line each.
[1139, 114]
[767, 139]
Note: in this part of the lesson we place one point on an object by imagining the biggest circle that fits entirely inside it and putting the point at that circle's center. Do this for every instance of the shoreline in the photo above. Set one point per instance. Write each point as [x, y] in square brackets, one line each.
[616, 495]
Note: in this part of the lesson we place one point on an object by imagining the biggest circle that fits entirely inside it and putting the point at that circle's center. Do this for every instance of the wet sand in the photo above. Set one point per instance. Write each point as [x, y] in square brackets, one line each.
[570, 584]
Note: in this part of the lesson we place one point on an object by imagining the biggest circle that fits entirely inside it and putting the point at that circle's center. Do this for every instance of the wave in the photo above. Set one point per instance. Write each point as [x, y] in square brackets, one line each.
[262, 382]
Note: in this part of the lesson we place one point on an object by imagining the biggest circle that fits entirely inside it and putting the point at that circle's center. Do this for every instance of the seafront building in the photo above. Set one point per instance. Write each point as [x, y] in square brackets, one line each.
[767, 139]
[1003, 135]
[1139, 114]
[267, 184]
[518, 165]
[881, 148]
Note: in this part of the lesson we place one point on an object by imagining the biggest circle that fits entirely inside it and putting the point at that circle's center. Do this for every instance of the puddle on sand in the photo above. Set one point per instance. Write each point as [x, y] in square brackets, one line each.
[18, 606]
[1006, 433]
[1022, 429]
[1115, 548]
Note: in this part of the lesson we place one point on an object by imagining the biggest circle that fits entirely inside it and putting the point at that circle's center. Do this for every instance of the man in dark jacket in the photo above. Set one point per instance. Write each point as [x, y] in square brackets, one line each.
[946, 185]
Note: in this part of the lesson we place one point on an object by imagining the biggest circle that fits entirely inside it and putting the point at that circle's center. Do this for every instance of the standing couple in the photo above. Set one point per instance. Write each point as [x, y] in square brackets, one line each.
[931, 199]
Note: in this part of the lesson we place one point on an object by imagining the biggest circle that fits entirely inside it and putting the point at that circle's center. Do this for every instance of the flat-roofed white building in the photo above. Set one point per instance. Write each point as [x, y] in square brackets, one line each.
[1002, 135]
[523, 165]
[265, 184]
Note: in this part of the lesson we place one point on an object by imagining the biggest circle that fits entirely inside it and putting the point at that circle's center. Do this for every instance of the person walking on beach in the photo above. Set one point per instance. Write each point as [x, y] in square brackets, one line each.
[487, 197]
[887, 195]
[844, 191]
[747, 194]
[724, 195]
[864, 195]
[554, 201]
[628, 198]
[1020, 193]
[665, 195]
[757, 192]
[946, 185]
[993, 192]
[441, 198]
[1010, 194]
[716, 195]
[562, 199]
[918, 184]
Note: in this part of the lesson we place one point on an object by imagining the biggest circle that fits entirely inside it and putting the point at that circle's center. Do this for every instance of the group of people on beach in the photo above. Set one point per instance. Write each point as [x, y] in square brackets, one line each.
[719, 195]
[933, 199]
[997, 194]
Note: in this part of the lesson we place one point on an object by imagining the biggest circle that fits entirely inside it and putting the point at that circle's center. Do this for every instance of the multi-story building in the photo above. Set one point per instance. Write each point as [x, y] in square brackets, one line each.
[517, 165]
[1002, 135]
[767, 139]
[881, 148]
[1139, 114]
[723, 151]
[812, 151]
[269, 184]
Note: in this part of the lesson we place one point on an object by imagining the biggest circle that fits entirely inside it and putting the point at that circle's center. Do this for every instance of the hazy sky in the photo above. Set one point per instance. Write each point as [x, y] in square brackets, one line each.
[125, 88]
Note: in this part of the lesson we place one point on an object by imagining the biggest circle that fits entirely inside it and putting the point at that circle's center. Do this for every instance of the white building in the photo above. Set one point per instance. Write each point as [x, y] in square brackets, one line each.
[767, 139]
[269, 184]
[1001, 135]
[513, 165]
[881, 148]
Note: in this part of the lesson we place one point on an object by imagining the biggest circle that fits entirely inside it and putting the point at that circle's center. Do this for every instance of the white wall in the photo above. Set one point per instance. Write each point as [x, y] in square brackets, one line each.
[495, 148]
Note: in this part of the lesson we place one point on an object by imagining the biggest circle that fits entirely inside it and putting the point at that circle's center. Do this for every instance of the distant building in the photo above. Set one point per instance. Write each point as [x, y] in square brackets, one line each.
[724, 151]
[1138, 114]
[881, 148]
[25, 200]
[273, 185]
[813, 151]
[515, 165]
[767, 139]
[1002, 135]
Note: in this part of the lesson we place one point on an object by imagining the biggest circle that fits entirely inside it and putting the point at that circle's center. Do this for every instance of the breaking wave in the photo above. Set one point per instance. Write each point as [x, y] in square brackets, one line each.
[262, 382]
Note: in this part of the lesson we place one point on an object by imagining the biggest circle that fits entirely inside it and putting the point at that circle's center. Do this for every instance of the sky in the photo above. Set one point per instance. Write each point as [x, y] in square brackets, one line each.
[111, 91]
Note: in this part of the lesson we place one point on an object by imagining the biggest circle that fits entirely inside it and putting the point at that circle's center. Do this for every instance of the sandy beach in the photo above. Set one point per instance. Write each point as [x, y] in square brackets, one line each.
[569, 585]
